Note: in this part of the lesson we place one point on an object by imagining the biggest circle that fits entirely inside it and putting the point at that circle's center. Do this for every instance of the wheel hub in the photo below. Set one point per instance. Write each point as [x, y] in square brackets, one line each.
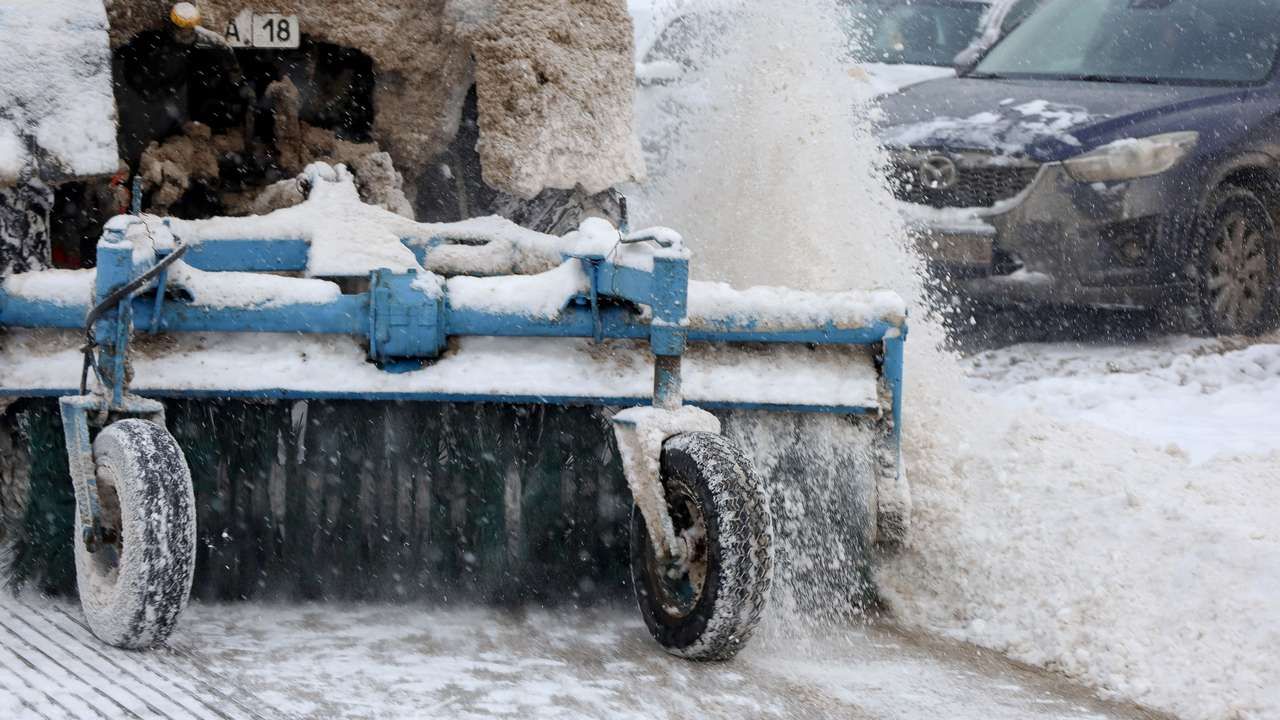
[681, 577]
[110, 539]
[1237, 279]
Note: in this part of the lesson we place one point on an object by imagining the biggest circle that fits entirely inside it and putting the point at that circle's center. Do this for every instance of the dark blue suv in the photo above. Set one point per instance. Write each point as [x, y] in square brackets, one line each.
[1106, 153]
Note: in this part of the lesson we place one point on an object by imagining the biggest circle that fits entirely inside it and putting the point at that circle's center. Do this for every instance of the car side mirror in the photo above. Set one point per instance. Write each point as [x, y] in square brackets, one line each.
[659, 72]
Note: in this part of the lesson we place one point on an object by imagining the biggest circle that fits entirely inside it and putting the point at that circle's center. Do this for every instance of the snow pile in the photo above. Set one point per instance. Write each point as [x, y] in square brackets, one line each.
[1075, 548]
[57, 111]
[1206, 399]
[13, 152]
[538, 296]
[347, 236]
[351, 238]
[1063, 544]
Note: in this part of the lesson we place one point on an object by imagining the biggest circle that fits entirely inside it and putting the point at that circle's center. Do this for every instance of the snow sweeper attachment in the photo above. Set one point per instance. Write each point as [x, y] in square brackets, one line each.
[334, 299]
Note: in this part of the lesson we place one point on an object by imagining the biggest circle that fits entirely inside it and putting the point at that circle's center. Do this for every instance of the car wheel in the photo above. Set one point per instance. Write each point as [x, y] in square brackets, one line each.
[1238, 266]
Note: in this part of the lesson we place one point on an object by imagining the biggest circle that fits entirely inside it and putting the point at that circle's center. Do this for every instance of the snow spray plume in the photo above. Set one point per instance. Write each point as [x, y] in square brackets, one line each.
[1060, 544]
[779, 183]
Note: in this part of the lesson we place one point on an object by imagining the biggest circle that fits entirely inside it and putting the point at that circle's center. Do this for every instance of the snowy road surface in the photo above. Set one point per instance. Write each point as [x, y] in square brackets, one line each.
[1211, 401]
[315, 661]
[1108, 512]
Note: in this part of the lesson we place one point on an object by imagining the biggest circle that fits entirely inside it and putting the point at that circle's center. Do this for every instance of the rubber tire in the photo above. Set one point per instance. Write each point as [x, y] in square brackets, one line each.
[1224, 201]
[740, 550]
[136, 604]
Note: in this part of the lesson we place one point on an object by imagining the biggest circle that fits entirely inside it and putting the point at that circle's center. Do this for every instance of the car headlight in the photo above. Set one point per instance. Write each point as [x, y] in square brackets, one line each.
[1132, 158]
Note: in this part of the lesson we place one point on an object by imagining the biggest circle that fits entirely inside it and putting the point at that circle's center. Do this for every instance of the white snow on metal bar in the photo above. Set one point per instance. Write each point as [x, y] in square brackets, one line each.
[773, 308]
[787, 375]
[539, 296]
[247, 290]
[60, 287]
[350, 238]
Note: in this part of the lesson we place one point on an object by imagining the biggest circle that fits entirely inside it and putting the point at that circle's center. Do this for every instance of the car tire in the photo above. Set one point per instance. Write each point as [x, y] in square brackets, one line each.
[1237, 274]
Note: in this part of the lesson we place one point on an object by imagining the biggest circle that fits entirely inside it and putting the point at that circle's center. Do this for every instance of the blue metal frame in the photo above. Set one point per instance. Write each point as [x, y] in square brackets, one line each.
[406, 320]
[405, 325]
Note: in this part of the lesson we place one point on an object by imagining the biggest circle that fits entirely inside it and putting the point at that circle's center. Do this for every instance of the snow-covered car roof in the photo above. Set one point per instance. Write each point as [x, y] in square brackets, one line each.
[57, 108]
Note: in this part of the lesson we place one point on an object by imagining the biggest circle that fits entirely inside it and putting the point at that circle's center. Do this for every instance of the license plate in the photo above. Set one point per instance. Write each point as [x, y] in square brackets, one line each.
[263, 30]
[951, 249]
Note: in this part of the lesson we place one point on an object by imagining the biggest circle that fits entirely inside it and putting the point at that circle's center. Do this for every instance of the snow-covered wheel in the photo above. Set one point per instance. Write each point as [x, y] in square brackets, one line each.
[136, 583]
[705, 605]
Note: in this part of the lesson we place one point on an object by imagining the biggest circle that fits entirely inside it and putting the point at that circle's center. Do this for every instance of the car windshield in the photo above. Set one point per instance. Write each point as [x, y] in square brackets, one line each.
[918, 33]
[1210, 41]
[690, 40]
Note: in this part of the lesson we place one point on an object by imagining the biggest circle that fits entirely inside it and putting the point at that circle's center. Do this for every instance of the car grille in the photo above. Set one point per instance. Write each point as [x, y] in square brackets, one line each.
[975, 186]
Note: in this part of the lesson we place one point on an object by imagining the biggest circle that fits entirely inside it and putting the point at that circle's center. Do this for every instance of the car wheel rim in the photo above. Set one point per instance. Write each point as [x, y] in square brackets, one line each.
[680, 581]
[1237, 278]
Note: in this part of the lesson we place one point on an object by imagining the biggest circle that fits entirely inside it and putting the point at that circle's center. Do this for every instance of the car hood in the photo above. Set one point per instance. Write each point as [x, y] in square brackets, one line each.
[885, 79]
[1016, 118]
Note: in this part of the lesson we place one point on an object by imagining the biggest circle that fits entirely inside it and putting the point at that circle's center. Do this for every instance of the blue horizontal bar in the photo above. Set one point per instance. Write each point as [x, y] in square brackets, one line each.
[574, 321]
[281, 255]
[347, 315]
[383, 396]
[21, 312]
[829, 334]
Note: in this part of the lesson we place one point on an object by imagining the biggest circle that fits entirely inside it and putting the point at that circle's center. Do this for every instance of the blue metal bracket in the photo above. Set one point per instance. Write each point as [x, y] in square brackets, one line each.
[81, 413]
[406, 319]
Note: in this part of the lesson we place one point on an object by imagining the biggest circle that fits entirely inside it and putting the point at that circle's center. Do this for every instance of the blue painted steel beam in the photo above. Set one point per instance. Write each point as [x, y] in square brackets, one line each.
[401, 322]
[21, 312]
[348, 315]
[249, 255]
[574, 321]
[829, 334]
